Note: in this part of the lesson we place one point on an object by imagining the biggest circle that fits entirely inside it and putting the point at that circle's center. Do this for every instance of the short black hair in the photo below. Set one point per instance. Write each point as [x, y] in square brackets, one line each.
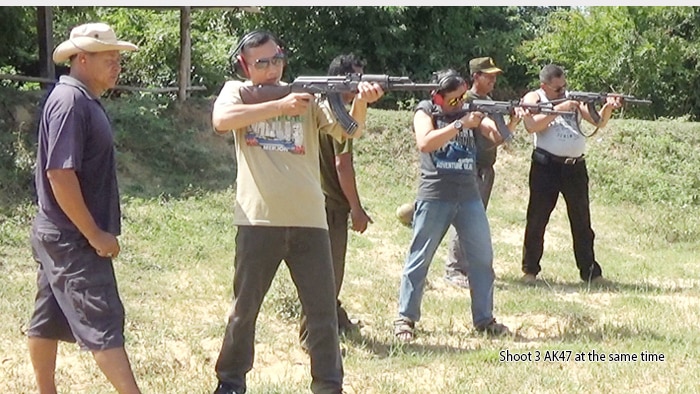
[257, 38]
[448, 79]
[549, 72]
[345, 64]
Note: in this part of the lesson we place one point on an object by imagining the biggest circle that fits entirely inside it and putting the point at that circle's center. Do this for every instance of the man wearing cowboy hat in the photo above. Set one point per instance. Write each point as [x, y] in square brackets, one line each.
[74, 234]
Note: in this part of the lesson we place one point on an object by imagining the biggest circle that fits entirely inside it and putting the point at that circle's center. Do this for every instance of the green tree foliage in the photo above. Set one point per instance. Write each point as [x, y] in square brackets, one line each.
[650, 52]
[157, 33]
[412, 41]
[408, 40]
[18, 46]
[644, 51]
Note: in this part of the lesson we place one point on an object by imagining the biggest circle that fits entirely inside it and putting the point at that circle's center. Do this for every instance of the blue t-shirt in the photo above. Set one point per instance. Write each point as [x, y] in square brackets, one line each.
[448, 173]
[75, 133]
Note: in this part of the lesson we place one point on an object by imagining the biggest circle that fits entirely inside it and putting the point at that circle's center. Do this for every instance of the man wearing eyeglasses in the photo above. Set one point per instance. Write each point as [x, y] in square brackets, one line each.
[484, 73]
[448, 194]
[558, 166]
[279, 210]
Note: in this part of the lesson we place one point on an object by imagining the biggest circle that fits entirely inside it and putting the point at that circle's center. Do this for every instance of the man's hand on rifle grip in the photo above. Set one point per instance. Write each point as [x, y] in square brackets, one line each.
[295, 104]
[473, 119]
[568, 105]
[518, 114]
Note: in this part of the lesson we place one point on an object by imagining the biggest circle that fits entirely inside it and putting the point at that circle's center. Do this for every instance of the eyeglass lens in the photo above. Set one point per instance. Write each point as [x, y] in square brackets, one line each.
[264, 63]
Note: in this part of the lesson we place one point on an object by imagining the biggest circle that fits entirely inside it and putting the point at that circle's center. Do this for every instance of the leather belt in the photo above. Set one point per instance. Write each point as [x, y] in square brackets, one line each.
[561, 159]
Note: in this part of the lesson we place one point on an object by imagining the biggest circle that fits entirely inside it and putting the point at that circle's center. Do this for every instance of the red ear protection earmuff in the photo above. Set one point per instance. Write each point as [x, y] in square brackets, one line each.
[238, 64]
[444, 84]
[437, 98]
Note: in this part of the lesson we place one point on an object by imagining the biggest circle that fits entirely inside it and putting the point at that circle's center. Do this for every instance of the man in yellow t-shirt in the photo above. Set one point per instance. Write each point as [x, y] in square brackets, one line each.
[279, 210]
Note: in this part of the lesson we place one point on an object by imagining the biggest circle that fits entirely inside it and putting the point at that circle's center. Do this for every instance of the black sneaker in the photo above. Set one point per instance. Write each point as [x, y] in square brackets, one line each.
[226, 388]
[494, 329]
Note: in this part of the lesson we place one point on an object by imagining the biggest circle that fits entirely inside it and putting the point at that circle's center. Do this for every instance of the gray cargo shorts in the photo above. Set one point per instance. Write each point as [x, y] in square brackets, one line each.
[77, 298]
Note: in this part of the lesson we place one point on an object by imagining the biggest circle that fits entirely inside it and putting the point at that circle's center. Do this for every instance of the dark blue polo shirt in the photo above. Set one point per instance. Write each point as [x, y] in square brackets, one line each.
[75, 133]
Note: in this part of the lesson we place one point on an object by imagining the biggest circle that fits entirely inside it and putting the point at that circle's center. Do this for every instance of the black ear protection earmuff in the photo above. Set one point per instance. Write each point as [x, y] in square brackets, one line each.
[238, 64]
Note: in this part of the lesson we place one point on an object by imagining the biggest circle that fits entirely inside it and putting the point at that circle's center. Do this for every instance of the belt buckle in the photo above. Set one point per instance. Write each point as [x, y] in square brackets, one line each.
[570, 160]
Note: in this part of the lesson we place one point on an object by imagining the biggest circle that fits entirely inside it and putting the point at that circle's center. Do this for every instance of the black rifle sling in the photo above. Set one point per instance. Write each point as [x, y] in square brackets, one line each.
[593, 111]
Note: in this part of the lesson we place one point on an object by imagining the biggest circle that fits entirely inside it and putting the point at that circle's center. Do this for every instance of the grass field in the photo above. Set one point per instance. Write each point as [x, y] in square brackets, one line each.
[175, 274]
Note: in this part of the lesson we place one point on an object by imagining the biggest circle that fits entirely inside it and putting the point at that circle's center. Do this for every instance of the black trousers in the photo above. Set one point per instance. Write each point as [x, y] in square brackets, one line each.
[546, 181]
[307, 253]
[338, 233]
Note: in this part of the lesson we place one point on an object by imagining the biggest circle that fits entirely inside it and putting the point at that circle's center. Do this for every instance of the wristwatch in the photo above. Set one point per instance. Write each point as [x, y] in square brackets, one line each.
[458, 125]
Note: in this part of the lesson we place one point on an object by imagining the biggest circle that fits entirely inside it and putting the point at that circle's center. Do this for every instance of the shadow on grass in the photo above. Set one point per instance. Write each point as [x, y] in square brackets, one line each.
[577, 330]
[392, 347]
[581, 286]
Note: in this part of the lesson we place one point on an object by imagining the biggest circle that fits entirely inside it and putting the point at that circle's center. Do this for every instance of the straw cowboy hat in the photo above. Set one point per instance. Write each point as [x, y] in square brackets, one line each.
[90, 37]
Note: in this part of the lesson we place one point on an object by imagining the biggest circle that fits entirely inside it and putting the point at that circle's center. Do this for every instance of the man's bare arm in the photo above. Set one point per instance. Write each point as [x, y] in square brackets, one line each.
[346, 177]
[233, 116]
[539, 122]
[66, 189]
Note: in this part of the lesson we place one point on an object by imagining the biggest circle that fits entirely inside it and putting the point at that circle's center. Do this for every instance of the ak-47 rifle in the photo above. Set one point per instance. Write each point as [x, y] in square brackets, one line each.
[591, 99]
[332, 87]
[496, 110]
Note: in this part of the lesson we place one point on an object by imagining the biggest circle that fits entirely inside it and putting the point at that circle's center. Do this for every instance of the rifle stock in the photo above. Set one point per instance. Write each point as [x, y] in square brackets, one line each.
[332, 87]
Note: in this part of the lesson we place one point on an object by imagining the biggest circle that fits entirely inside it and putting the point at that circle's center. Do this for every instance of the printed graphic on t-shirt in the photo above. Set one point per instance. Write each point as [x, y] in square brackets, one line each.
[283, 134]
[457, 155]
[564, 130]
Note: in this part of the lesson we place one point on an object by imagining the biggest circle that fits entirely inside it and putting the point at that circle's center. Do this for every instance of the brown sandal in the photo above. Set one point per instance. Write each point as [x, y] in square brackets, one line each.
[404, 330]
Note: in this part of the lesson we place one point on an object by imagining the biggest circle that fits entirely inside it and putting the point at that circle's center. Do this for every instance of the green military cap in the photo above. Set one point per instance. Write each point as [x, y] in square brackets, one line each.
[484, 65]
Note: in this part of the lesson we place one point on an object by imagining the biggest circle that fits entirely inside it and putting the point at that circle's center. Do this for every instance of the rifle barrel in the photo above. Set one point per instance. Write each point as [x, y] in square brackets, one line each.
[637, 101]
[413, 86]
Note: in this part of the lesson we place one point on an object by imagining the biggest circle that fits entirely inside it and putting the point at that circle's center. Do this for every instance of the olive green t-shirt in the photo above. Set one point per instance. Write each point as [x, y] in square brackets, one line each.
[485, 149]
[329, 149]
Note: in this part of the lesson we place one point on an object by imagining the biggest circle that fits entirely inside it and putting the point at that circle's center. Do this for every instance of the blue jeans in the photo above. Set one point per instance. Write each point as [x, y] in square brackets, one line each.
[455, 261]
[430, 223]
